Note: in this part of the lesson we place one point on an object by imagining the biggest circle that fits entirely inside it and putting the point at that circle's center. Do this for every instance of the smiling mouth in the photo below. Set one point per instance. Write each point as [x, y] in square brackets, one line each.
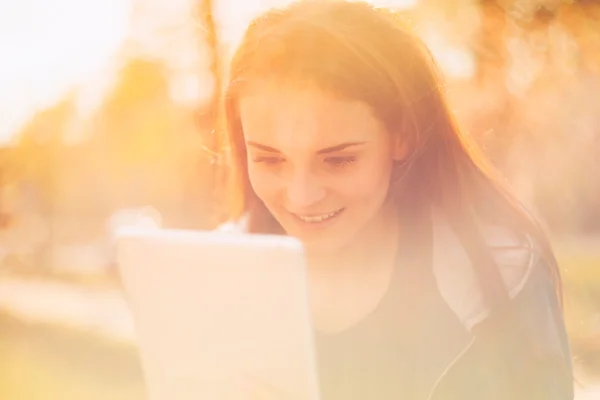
[320, 217]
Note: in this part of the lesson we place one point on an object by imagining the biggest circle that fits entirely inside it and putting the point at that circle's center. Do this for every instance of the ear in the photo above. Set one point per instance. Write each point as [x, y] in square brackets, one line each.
[400, 149]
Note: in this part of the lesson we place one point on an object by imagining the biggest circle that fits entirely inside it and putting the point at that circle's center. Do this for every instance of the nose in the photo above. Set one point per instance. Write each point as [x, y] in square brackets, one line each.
[303, 191]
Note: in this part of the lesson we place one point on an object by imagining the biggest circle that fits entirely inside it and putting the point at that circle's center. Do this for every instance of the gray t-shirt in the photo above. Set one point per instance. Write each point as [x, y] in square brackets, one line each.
[398, 350]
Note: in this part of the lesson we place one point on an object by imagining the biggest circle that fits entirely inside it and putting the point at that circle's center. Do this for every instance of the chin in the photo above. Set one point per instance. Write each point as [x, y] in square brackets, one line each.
[325, 244]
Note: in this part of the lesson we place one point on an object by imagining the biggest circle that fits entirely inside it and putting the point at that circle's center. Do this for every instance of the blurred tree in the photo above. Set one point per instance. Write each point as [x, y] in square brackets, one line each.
[137, 137]
[490, 50]
[7, 187]
[39, 149]
[208, 37]
[533, 103]
[209, 116]
[148, 149]
[137, 114]
[37, 165]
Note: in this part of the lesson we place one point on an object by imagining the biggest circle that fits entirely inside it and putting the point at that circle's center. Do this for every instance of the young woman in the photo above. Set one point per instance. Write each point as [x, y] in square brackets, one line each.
[427, 279]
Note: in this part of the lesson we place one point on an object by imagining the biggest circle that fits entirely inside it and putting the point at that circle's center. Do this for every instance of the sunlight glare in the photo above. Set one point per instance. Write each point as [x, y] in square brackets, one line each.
[48, 47]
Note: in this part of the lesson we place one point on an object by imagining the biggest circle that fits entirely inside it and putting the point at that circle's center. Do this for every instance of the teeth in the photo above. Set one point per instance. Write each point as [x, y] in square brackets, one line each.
[318, 218]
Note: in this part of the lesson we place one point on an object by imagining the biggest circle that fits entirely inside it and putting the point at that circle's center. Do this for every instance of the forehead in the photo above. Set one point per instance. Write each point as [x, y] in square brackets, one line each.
[295, 118]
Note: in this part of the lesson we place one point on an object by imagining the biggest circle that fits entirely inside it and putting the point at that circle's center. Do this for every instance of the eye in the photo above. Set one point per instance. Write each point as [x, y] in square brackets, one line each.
[268, 160]
[341, 161]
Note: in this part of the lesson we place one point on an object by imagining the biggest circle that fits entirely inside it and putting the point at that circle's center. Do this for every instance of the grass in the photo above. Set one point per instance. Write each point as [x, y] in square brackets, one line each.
[45, 363]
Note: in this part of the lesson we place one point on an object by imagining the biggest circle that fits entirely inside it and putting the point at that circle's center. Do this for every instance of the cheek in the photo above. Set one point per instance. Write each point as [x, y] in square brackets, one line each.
[265, 185]
[367, 181]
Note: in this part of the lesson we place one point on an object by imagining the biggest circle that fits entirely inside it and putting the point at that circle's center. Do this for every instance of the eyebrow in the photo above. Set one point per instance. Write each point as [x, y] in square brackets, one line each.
[326, 150]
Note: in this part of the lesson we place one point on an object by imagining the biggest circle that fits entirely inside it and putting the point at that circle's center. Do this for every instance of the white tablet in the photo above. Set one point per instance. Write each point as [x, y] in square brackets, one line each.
[219, 315]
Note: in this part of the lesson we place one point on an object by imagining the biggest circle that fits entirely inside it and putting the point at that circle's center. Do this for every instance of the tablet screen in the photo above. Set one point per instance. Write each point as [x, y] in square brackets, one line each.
[219, 313]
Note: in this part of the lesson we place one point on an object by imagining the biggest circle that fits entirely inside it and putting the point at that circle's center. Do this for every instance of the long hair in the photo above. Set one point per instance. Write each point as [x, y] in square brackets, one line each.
[360, 52]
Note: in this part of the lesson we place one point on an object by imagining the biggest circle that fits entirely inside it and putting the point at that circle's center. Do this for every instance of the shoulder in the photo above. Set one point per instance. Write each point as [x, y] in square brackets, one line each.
[532, 343]
[516, 256]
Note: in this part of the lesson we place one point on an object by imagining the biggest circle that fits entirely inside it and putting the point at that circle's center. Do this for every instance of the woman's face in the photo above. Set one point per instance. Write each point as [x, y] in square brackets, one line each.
[320, 164]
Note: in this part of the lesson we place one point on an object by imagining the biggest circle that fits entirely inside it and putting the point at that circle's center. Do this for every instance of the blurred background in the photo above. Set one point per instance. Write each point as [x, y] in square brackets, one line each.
[107, 111]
